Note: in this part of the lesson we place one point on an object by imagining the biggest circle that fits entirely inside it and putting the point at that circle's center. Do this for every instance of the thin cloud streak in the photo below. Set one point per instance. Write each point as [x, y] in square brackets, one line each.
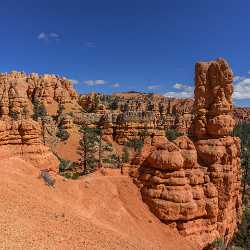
[46, 37]
[94, 82]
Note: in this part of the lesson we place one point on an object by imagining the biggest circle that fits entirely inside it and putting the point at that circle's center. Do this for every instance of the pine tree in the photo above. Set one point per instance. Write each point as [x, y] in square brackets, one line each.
[88, 149]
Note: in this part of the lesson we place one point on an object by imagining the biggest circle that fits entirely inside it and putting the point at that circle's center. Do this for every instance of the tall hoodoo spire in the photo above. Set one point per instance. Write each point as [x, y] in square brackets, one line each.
[213, 99]
[194, 186]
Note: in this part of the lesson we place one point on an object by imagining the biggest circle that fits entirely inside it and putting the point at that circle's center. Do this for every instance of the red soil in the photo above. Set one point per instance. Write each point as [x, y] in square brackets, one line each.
[94, 212]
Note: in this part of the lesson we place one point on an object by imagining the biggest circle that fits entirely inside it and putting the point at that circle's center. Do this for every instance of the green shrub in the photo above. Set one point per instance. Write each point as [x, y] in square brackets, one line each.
[172, 134]
[63, 134]
[143, 134]
[125, 155]
[241, 238]
[73, 176]
[136, 144]
[65, 165]
[217, 244]
[39, 110]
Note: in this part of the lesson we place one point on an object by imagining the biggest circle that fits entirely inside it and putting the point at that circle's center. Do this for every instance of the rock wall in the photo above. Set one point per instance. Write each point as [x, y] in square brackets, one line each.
[19, 90]
[23, 139]
[21, 136]
[194, 186]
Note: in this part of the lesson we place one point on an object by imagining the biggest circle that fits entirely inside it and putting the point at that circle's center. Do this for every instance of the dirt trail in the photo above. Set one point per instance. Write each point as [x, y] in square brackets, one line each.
[95, 212]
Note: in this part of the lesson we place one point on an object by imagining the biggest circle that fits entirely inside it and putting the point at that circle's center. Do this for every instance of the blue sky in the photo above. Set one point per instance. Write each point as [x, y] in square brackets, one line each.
[110, 45]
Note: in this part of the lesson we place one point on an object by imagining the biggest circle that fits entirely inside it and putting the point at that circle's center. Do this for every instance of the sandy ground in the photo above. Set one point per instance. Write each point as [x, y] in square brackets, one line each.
[68, 149]
[94, 212]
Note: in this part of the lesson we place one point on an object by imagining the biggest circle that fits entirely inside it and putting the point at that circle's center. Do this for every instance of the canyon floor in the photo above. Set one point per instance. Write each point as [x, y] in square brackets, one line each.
[94, 212]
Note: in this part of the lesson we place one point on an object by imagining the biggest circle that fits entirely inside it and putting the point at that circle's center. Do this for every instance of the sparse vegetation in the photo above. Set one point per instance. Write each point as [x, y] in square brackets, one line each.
[242, 238]
[143, 134]
[136, 145]
[242, 130]
[88, 148]
[62, 133]
[172, 134]
[125, 155]
[113, 103]
[65, 165]
[70, 175]
[39, 110]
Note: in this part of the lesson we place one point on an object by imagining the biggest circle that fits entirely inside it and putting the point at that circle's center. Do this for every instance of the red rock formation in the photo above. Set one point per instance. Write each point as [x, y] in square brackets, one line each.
[23, 139]
[195, 186]
[213, 99]
[18, 90]
[242, 114]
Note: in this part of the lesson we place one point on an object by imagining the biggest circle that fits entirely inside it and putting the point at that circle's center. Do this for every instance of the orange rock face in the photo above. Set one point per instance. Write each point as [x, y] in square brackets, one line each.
[23, 139]
[18, 90]
[19, 134]
[194, 186]
[213, 99]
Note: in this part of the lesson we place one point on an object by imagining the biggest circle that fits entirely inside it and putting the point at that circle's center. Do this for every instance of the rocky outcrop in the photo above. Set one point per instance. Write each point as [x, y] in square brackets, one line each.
[19, 134]
[194, 186]
[23, 139]
[241, 114]
[18, 90]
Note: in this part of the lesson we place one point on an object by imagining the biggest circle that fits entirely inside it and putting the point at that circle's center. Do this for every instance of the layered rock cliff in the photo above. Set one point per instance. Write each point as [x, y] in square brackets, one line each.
[194, 185]
[23, 139]
[20, 135]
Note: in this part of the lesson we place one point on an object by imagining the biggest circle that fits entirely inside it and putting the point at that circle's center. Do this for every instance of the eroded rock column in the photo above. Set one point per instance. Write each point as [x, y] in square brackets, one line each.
[194, 186]
[217, 150]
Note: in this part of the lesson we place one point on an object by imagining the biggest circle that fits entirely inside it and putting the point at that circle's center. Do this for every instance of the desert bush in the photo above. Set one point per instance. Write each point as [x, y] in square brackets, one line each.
[172, 134]
[136, 144]
[65, 165]
[242, 236]
[73, 176]
[125, 155]
[63, 134]
[217, 244]
[39, 110]
[143, 134]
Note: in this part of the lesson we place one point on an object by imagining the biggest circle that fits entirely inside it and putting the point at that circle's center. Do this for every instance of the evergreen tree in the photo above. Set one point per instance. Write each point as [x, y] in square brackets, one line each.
[143, 134]
[39, 110]
[89, 146]
[242, 130]
[172, 134]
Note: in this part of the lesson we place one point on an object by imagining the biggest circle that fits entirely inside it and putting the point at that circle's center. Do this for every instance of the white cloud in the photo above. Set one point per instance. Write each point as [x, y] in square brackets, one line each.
[115, 85]
[153, 87]
[43, 36]
[242, 89]
[184, 91]
[238, 78]
[94, 82]
[90, 45]
[74, 81]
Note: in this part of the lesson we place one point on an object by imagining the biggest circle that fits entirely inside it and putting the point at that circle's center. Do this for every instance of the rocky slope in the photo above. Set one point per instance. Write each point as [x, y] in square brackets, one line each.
[194, 186]
[94, 212]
